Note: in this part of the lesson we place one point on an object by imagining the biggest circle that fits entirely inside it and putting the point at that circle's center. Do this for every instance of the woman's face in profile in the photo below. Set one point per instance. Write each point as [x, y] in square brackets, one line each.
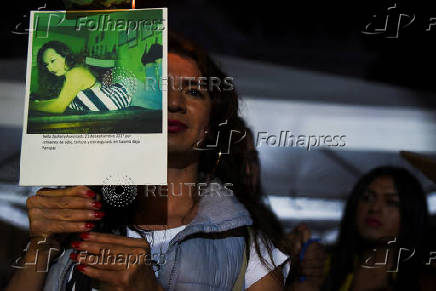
[188, 105]
[54, 62]
[378, 210]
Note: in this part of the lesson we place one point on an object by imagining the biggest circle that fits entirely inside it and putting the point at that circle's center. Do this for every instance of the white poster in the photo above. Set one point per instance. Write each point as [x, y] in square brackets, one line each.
[90, 116]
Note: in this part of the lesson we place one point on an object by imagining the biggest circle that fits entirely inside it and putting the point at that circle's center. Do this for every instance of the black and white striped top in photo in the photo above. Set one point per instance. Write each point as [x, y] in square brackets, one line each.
[101, 98]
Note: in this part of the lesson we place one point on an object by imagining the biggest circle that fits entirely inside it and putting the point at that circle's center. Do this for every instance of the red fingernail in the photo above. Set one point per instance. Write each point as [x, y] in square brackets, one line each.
[81, 267]
[75, 244]
[90, 193]
[98, 214]
[89, 225]
[73, 256]
[96, 204]
[84, 235]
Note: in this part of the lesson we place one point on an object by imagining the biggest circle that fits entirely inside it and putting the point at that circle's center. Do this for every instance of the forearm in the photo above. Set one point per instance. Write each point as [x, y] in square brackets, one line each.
[33, 269]
[30, 276]
[53, 106]
[27, 279]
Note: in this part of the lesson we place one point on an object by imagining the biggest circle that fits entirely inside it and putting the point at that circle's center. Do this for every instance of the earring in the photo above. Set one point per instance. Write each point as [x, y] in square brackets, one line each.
[198, 145]
[217, 162]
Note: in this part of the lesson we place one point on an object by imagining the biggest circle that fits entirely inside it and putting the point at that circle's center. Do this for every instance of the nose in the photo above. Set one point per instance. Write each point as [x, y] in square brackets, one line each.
[176, 99]
[376, 205]
[50, 68]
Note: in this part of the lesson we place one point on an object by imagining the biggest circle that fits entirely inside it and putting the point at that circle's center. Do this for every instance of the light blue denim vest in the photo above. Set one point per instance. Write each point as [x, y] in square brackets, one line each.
[206, 255]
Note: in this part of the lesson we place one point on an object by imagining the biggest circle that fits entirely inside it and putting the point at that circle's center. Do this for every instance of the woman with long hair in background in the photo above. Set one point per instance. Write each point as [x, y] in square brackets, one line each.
[385, 213]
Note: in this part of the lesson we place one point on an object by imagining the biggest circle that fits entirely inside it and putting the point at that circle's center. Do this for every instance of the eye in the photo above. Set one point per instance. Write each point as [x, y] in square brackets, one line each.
[49, 62]
[393, 203]
[194, 92]
[366, 196]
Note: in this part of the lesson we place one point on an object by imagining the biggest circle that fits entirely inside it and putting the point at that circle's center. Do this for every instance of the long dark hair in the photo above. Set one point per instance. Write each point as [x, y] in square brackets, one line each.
[231, 168]
[239, 164]
[413, 217]
[49, 84]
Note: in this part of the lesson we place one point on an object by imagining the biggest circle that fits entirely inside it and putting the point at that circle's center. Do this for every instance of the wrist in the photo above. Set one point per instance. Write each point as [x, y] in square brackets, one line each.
[39, 253]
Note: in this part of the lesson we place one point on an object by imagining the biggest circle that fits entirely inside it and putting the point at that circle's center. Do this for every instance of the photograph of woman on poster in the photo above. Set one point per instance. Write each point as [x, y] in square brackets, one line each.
[77, 87]
[85, 80]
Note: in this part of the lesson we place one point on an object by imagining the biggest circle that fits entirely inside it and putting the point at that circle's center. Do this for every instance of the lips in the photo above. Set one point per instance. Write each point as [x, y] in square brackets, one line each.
[372, 222]
[175, 126]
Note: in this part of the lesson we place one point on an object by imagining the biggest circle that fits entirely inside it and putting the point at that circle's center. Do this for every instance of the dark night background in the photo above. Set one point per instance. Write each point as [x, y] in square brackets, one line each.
[321, 36]
[306, 37]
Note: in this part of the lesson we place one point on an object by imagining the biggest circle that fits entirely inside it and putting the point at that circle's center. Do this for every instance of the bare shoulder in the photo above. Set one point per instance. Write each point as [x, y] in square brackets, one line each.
[271, 282]
[77, 70]
[80, 75]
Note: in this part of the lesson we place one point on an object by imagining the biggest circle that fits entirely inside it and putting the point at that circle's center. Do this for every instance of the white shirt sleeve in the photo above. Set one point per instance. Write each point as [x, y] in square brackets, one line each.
[256, 270]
